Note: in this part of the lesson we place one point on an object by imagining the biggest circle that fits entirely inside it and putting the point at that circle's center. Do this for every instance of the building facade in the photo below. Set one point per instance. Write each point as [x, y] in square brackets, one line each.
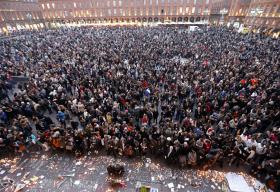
[33, 14]
[239, 10]
[125, 10]
[219, 11]
[20, 14]
[263, 14]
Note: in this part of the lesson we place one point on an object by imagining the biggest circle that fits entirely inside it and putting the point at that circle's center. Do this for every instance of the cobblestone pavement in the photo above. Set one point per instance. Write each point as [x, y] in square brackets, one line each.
[41, 172]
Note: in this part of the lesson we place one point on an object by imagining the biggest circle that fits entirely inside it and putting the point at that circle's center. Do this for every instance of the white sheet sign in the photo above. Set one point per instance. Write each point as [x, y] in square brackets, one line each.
[237, 183]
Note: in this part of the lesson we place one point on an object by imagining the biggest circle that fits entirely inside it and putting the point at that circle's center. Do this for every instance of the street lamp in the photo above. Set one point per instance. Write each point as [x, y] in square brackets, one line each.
[255, 12]
[223, 12]
[206, 12]
[29, 17]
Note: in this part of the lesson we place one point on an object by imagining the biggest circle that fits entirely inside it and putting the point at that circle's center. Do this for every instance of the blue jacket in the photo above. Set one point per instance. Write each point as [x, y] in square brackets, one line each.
[61, 116]
[3, 116]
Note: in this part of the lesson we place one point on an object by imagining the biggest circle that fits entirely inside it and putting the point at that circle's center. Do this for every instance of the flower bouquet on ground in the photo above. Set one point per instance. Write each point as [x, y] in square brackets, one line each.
[116, 182]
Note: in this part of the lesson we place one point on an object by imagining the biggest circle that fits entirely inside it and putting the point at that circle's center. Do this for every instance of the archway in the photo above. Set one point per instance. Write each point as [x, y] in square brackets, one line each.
[192, 19]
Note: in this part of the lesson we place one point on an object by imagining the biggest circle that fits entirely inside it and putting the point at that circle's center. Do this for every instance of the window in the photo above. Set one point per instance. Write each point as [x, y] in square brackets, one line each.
[181, 10]
[120, 3]
[48, 5]
[53, 5]
[187, 9]
[156, 2]
[174, 10]
[18, 16]
[278, 11]
[43, 6]
[240, 11]
[207, 2]
[109, 12]
[115, 11]
[114, 3]
[194, 2]
[193, 10]
[274, 9]
[169, 10]
[206, 11]
[75, 5]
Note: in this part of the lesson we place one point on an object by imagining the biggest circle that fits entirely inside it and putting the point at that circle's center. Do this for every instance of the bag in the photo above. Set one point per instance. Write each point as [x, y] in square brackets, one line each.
[143, 189]
[56, 143]
[22, 148]
[69, 147]
[102, 142]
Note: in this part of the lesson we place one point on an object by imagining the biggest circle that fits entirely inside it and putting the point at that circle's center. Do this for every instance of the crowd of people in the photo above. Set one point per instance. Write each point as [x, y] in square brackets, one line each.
[198, 99]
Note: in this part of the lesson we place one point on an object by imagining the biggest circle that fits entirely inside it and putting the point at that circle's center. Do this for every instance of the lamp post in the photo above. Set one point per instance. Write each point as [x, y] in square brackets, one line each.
[29, 17]
[223, 12]
[255, 12]
[206, 12]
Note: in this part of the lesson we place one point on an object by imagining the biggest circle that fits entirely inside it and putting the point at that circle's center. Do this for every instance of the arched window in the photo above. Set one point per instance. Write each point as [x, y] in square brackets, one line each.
[192, 19]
